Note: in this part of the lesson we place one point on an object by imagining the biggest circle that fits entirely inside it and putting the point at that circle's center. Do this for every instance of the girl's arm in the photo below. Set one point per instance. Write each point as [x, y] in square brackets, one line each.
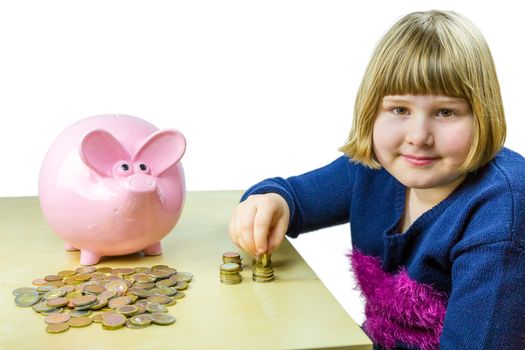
[316, 199]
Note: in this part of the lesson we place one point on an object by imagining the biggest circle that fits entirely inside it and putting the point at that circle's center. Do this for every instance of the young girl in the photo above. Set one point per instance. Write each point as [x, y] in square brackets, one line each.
[436, 204]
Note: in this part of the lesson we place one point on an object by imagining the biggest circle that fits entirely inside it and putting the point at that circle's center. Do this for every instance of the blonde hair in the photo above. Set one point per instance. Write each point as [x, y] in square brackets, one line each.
[431, 53]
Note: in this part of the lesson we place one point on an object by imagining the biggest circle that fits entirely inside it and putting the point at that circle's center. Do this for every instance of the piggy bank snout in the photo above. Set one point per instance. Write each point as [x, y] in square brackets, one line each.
[141, 183]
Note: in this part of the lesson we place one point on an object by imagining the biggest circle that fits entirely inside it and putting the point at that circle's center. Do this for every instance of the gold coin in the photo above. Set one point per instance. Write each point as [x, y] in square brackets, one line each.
[119, 301]
[58, 302]
[182, 285]
[104, 269]
[82, 277]
[71, 280]
[80, 321]
[142, 278]
[57, 318]
[231, 255]
[162, 318]
[57, 327]
[113, 321]
[94, 289]
[80, 313]
[84, 300]
[169, 291]
[97, 276]
[127, 310]
[159, 267]
[99, 304]
[124, 271]
[68, 288]
[161, 299]
[158, 274]
[142, 269]
[50, 278]
[108, 294]
[168, 282]
[39, 282]
[85, 269]
[66, 273]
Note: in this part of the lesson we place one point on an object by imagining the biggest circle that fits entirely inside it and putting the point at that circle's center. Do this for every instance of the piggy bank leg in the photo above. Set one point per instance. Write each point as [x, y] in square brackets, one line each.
[69, 247]
[88, 258]
[154, 249]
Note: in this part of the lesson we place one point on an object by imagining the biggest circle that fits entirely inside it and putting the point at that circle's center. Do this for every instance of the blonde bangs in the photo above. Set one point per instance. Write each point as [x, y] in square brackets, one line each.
[431, 53]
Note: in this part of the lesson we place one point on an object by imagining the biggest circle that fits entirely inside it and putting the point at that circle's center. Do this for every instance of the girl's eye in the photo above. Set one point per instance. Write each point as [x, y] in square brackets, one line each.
[400, 110]
[446, 113]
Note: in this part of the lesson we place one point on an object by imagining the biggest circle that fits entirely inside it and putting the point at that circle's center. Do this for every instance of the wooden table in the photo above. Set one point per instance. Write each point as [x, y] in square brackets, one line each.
[296, 311]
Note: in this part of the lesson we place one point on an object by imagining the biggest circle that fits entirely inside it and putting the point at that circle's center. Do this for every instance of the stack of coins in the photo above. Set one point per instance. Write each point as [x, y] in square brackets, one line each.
[131, 297]
[232, 257]
[262, 270]
[230, 273]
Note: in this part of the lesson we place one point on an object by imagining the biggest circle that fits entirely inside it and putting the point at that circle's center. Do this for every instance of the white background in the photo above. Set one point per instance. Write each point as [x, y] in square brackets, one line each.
[258, 88]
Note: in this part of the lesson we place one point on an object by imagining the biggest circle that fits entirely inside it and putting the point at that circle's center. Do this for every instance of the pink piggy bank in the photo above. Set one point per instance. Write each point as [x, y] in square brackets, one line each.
[113, 185]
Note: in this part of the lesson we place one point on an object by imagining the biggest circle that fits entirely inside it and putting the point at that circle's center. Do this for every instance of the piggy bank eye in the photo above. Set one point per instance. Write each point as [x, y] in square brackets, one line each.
[143, 168]
[123, 169]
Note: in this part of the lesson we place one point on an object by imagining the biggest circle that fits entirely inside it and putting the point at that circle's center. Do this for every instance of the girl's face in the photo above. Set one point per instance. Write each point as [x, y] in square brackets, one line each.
[422, 140]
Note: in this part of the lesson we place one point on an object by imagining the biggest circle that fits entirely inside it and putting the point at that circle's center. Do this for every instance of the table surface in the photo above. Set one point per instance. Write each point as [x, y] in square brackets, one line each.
[295, 311]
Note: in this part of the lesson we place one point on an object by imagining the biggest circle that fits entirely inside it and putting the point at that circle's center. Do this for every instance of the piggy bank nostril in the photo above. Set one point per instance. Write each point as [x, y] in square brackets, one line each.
[149, 182]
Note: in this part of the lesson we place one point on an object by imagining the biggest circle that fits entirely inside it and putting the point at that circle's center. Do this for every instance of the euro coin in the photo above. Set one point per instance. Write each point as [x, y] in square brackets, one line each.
[58, 302]
[84, 300]
[159, 267]
[156, 307]
[80, 313]
[24, 290]
[66, 273]
[55, 293]
[57, 327]
[57, 318]
[113, 321]
[27, 299]
[43, 307]
[80, 321]
[140, 320]
[119, 301]
[161, 299]
[162, 318]
[85, 269]
[127, 310]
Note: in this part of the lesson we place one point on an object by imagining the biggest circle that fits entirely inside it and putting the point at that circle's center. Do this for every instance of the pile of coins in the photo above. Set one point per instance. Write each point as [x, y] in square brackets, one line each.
[134, 297]
[230, 273]
[262, 269]
[232, 257]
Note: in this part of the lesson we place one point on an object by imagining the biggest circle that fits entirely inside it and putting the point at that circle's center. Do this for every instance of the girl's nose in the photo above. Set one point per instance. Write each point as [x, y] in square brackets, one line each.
[419, 132]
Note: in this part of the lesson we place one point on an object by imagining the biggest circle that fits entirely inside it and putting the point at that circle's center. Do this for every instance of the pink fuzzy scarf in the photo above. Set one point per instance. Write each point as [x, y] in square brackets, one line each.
[398, 309]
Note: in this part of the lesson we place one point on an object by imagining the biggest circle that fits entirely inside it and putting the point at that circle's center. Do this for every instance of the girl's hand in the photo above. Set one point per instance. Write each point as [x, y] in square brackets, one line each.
[258, 224]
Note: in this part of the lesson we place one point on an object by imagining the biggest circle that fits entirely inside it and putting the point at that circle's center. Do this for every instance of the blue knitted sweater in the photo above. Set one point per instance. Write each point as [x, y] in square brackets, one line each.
[454, 280]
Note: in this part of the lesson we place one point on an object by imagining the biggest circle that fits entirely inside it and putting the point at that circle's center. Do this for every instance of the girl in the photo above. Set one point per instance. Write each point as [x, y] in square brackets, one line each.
[436, 204]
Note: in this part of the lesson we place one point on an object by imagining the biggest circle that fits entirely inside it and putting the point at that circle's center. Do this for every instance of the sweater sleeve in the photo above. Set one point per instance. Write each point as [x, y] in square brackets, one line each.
[317, 199]
[486, 306]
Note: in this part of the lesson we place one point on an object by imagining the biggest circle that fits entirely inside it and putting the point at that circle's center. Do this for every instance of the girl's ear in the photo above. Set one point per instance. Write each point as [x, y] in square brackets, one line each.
[100, 150]
[161, 150]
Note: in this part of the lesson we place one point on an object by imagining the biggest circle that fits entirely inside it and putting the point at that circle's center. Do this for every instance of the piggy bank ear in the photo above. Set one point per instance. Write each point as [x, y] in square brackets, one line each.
[100, 150]
[161, 150]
